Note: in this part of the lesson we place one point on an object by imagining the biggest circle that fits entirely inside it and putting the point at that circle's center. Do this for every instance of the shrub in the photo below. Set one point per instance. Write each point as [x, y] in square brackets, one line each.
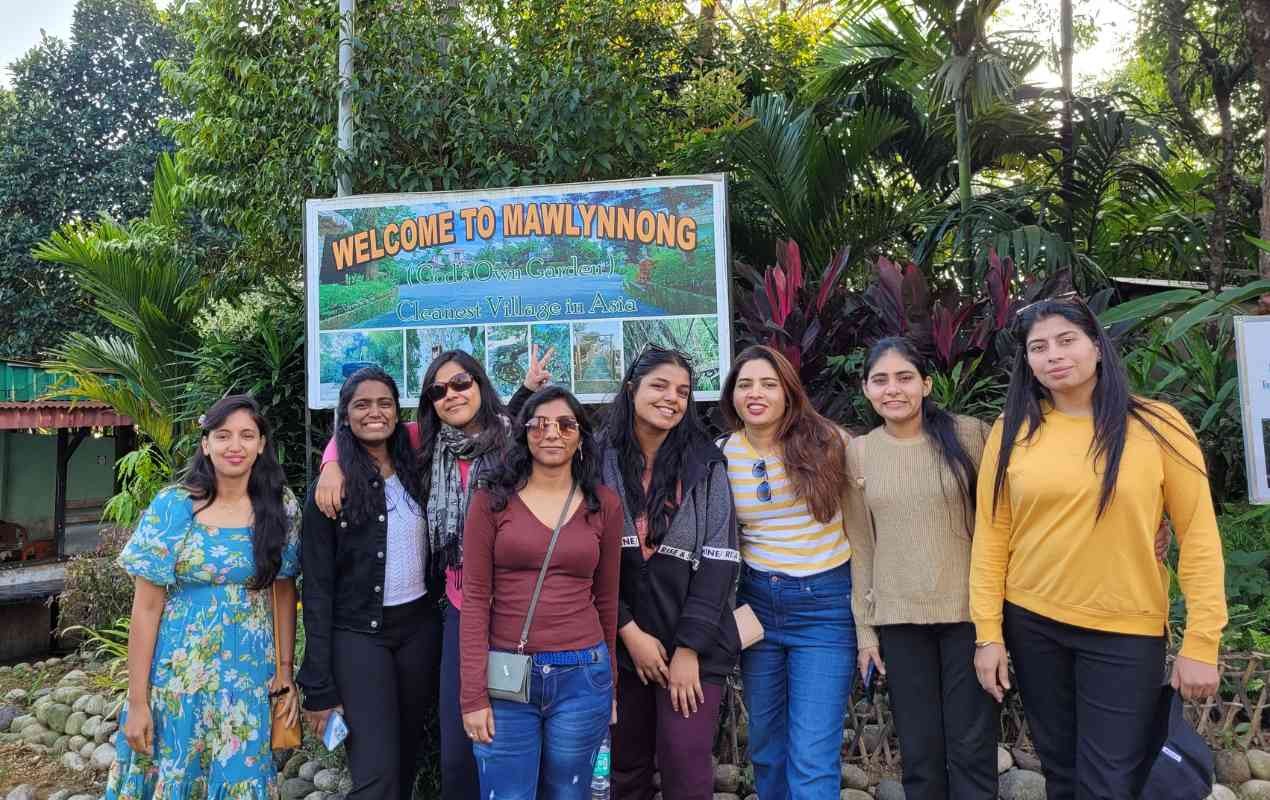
[97, 592]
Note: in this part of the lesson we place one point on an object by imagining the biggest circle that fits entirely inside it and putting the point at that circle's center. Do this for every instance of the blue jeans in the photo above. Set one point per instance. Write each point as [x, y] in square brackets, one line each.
[546, 748]
[798, 680]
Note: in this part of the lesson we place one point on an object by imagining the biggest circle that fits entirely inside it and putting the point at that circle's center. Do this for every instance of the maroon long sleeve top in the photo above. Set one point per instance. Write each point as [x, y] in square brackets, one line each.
[502, 553]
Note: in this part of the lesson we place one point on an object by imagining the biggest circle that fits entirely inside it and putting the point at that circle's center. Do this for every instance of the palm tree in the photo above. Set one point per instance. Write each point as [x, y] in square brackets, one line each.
[937, 51]
[143, 285]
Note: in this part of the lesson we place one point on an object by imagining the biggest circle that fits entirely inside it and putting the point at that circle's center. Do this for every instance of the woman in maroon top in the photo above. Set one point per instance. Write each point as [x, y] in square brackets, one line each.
[545, 747]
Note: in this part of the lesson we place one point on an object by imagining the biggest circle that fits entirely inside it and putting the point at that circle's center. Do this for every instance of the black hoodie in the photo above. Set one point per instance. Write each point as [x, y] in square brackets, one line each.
[685, 592]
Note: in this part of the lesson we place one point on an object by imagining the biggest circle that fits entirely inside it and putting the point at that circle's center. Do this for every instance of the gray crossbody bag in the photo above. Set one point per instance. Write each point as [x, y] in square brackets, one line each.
[507, 674]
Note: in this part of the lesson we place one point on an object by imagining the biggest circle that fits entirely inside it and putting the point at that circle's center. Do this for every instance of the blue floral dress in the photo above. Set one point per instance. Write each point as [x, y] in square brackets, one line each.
[213, 659]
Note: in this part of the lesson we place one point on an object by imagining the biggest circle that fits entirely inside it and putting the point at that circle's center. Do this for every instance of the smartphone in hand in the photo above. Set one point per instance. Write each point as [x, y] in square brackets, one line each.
[336, 731]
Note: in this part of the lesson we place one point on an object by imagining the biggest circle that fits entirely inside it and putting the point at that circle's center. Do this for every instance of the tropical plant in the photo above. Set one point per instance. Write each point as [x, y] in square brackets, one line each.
[109, 644]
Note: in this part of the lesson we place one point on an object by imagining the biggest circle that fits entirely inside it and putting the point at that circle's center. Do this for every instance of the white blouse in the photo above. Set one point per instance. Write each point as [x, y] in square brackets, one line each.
[405, 562]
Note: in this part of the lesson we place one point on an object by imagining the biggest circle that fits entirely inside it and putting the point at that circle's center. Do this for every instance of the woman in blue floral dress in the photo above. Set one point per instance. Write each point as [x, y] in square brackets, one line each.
[201, 664]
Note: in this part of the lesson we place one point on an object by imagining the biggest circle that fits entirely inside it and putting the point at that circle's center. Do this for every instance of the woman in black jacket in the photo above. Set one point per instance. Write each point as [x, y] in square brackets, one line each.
[372, 624]
[677, 638]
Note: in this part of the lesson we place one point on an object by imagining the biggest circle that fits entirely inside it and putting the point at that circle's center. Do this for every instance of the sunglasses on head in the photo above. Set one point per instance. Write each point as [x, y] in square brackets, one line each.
[1065, 297]
[459, 383]
[566, 427]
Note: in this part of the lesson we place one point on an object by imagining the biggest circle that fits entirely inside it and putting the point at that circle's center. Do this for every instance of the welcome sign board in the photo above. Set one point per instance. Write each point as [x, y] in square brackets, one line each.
[597, 271]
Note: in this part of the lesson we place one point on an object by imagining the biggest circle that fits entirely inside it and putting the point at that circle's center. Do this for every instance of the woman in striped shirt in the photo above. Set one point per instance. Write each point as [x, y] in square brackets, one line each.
[787, 468]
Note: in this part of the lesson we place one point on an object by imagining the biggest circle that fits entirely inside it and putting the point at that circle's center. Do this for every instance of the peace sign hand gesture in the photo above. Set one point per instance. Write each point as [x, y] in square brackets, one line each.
[538, 375]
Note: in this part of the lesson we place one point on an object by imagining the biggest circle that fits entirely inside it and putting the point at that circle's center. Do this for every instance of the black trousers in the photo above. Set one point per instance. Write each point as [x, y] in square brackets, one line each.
[386, 682]
[947, 723]
[1090, 700]
[459, 779]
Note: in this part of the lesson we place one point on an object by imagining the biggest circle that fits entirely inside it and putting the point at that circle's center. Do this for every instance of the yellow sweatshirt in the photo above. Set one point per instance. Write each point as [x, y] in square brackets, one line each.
[1046, 550]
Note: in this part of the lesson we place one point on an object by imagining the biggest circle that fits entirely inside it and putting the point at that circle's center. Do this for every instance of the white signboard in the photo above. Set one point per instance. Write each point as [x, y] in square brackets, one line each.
[1252, 344]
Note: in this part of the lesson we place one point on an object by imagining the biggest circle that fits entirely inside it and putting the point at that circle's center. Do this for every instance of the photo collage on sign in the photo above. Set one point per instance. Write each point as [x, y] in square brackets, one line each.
[589, 357]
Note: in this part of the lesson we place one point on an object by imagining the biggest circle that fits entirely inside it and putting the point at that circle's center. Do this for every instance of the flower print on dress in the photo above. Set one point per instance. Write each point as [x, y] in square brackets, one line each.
[213, 659]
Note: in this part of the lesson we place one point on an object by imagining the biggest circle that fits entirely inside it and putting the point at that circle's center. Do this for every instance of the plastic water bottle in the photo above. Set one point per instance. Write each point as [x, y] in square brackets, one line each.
[600, 777]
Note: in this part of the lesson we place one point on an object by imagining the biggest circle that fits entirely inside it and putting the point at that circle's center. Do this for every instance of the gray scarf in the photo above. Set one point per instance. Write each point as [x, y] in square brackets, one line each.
[447, 502]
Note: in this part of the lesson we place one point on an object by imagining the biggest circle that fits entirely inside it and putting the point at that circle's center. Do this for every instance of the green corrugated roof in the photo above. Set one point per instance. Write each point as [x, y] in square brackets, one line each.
[26, 383]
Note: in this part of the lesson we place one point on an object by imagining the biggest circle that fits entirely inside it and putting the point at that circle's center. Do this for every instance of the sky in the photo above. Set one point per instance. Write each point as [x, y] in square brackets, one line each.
[22, 20]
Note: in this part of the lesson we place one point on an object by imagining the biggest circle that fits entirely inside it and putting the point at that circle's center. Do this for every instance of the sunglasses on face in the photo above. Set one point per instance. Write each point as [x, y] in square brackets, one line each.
[566, 427]
[459, 383]
[764, 488]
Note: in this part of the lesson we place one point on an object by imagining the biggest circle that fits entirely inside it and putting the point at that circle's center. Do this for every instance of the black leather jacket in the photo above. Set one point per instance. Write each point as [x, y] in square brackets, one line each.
[343, 568]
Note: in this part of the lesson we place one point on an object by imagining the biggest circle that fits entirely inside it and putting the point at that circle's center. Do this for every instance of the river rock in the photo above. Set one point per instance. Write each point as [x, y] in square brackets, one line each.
[74, 761]
[62, 745]
[1005, 761]
[75, 677]
[292, 768]
[1254, 790]
[854, 778]
[1258, 760]
[22, 669]
[346, 783]
[727, 778]
[61, 794]
[871, 738]
[79, 704]
[1222, 793]
[854, 794]
[309, 769]
[43, 691]
[889, 789]
[23, 792]
[21, 721]
[87, 750]
[105, 731]
[83, 797]
[76, 743]
[89, 726]
[16, 695]
[53, 662]
[43, 701]
[7, 716]
[1232, 767]
[56, 715]
[1022, 784]
[296, 788]
[75, 723]
[10, 738]
[113, 709]
[68, 694]
[34, 732]
[317, 796]
[725, 796]
[49, 738]
[103, 757]
[96, 706]
[327, 780]
[1025, 760]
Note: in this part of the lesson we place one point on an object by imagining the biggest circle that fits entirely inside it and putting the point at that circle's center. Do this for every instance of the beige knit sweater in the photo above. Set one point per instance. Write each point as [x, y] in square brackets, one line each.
[909, 531]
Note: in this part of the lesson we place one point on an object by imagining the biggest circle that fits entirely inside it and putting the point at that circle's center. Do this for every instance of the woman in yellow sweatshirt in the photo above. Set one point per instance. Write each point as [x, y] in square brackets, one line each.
[1074, 478]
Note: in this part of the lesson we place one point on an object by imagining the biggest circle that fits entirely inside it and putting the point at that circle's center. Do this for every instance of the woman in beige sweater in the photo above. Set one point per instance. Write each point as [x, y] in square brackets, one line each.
[911, 505]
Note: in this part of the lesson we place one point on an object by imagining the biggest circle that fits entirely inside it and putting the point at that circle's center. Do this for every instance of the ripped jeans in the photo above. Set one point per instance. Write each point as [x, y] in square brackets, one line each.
[546, 748]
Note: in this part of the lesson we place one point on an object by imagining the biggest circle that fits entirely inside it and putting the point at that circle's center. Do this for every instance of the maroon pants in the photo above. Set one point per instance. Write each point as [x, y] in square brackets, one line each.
[648, 728]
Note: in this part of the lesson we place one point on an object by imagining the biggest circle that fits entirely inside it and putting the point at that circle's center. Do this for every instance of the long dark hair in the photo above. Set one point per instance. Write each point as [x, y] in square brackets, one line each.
[511, 476]
[813, 452]
[489, 416]
[356, 462]
[937, 423]
[660, 503]
[265, 487]
[1113, 403]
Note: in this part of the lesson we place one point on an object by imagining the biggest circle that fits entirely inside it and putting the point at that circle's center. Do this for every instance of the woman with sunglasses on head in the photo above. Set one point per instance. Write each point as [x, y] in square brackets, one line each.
[1074, 478]
[542, 555]
[372, 625]
[461, 433]
[677, 638]
[910, 510]
[787, 467]
[211, 558]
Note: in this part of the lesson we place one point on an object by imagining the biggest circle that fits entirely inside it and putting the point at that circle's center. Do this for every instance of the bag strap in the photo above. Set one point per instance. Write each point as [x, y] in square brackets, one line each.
[277, 637]
[542, 573]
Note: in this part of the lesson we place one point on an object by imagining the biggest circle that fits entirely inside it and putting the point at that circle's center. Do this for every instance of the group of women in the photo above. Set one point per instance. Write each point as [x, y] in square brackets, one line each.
[608, 563]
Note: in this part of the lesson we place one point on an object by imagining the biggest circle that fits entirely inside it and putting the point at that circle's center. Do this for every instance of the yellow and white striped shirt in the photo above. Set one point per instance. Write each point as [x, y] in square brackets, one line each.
[779, 534]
